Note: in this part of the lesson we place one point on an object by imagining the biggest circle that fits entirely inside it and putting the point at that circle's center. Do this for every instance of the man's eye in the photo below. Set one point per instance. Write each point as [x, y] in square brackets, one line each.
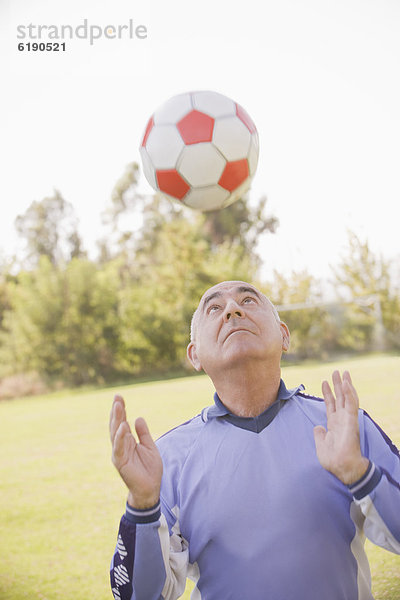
[248, 299]
[213, 308]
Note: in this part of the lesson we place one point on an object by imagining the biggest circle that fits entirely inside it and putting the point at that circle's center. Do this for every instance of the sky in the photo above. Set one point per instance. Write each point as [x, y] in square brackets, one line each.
[320, 78]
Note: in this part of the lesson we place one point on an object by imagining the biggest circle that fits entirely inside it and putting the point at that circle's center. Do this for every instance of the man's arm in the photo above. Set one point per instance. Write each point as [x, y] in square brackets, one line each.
[373, 478]
[144, 567]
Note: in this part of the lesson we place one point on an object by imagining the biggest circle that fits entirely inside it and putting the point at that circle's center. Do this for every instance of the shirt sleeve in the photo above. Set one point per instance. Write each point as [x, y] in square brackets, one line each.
[151, 558]
[378, 492]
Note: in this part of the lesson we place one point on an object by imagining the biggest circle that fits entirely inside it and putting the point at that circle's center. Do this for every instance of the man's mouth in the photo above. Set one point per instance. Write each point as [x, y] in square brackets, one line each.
[236, 331]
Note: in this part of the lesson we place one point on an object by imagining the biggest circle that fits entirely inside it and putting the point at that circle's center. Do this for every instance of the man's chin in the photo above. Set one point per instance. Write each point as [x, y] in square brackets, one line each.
[239, 357]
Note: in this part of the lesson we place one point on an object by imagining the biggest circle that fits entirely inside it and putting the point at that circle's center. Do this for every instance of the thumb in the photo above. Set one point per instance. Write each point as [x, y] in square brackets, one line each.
[143, 433]
[319, 434]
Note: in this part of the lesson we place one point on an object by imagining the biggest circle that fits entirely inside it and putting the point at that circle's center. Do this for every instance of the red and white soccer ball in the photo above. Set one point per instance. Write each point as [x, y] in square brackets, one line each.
[200, 148]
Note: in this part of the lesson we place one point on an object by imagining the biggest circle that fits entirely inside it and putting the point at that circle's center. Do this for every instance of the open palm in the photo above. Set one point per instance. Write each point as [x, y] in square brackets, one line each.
[138, 463]
[338, 446]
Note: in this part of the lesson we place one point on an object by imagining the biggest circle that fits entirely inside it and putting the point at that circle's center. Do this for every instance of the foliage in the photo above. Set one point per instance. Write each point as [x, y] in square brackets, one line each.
[76, 320]
[239, 223]
[312, 326]
[372, 321]
[62, 322]
[50, 229]
[66, 318]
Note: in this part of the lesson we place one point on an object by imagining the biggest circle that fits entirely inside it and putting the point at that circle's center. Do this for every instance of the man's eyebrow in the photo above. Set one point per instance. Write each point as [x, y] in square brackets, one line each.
[243, 289]
[210, 297]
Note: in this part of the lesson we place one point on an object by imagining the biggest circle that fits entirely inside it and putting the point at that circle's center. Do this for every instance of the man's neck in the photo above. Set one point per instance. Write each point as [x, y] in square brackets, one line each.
[247, 392]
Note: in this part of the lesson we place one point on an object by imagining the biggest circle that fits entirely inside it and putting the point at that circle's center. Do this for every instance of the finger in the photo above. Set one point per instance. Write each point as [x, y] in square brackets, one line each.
[119, 441]
[351, 398]
[117, 416]
[117, 400]
[347, 377]
[329, 398]
[338, 387]
[143, 433]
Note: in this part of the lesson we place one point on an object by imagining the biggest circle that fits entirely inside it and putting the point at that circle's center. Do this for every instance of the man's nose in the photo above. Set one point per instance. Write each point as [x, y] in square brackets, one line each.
[233, 310]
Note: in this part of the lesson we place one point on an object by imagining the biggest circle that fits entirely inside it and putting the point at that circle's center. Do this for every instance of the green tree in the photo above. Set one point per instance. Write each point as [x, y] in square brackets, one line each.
[6, 277]
[300, 301]
[49, 228]
[124, 196]
[367, 283]
[89, 331]
[63, 322]
[128, 312]
[29, 342]
[239, 223]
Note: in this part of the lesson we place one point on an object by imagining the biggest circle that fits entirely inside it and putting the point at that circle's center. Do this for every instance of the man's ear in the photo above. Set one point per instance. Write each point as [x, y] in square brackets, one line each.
[192, 356]
[285, 336]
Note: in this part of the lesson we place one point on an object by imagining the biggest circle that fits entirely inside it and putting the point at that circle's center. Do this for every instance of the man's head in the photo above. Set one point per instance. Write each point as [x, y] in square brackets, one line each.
[235, 323]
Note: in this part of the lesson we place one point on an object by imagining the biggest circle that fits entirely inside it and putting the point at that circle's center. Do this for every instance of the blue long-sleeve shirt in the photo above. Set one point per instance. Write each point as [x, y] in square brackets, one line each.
[248, 512]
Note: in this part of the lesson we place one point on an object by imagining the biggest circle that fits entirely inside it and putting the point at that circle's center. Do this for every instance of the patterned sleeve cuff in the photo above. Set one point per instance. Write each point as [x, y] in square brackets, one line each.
[146, 515]
[367, 483]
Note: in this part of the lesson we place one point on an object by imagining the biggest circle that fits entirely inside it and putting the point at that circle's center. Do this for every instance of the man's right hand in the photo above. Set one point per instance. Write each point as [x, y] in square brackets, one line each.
[138, 463]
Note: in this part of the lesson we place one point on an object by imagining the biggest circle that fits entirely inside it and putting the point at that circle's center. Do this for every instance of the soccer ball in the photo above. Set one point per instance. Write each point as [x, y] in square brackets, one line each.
[200, 148]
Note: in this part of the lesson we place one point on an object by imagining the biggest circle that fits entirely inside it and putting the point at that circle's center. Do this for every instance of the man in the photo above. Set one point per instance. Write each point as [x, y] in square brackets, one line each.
[265, 495]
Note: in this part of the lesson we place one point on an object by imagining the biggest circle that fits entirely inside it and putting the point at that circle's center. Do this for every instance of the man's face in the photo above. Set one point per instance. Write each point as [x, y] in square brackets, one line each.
[235, 323]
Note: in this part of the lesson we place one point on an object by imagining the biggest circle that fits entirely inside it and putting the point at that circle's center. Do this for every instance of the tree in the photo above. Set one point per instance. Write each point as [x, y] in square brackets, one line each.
[29, 340]
[129, 312]
[49, 228]
[63, 322]
[124, 196]
[300, 302]
[239, 223]
[6, 278]
[368, 283]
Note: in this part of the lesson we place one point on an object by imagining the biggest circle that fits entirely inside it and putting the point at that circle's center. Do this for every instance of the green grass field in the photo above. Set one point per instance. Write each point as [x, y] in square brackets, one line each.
[61, 500]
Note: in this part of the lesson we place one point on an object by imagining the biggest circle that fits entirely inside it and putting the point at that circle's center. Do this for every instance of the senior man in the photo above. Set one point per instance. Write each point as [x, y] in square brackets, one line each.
[267, 494]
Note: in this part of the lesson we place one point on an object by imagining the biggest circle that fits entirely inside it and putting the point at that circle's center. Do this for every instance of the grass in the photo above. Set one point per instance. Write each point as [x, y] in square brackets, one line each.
[61, 500]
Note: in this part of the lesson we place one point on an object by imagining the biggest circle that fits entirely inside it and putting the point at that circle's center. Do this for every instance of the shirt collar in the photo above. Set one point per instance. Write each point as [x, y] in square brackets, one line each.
[255, 424]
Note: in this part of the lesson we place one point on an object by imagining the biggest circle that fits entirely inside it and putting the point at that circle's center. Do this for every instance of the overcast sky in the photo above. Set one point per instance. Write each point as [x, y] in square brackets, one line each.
[319, 78]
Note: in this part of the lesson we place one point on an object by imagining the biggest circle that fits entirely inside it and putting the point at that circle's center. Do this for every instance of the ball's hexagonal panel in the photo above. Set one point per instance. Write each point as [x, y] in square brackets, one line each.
[245, 118]
[149, 127]
[214, 104]
[201, 164]
[164, 145]
[173, 109]
[196, 127]
[208, 198]
[234, 174]
[253, 156]
[148, 168]
[232, 138]
[172, 183]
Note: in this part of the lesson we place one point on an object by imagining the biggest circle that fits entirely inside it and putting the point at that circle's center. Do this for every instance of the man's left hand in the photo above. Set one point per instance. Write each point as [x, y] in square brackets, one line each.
[338, 446]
